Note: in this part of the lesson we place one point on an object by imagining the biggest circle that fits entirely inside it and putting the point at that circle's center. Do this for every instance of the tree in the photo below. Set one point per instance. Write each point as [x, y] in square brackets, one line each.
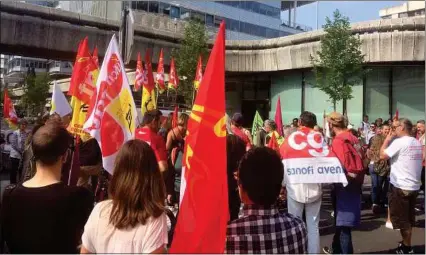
[339, 64]
[193, 45]
[36, 91]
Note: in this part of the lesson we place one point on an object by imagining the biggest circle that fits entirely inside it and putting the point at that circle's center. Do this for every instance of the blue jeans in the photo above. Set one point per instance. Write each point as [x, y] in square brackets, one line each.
[342, 241]
[379, 187]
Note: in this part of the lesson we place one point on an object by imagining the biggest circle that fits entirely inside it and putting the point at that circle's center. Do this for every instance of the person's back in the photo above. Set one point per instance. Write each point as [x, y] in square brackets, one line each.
[133, 221]
[42, 215]
[262, 228]
[50, 218]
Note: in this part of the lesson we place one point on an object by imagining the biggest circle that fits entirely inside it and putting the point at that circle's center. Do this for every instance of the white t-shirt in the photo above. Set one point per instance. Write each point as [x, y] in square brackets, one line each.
[406, 163]
[102, 237]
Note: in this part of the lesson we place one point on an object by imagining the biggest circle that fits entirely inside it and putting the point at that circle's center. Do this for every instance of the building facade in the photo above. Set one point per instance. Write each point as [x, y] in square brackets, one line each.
[408, 9]
[245, 20]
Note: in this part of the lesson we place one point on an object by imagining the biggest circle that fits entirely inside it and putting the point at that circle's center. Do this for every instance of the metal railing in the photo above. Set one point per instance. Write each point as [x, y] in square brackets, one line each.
[296, 26]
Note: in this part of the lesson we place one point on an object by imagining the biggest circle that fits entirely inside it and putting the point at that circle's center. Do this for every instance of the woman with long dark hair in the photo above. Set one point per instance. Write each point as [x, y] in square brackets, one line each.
[133, 220]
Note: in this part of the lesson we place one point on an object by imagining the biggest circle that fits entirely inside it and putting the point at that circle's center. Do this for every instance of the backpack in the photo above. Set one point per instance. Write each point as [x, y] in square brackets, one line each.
[354, 157]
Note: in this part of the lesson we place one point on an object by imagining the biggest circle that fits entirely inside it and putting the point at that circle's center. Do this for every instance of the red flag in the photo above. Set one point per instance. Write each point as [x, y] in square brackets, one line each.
[175, 117]
[159, 78]
[139, 74]
[273, 143]
[148, 87]
[198, 74]
[278, 117]
[203, 214]
[173, 78]
[95, 57]
[9, 113]
[396, 117]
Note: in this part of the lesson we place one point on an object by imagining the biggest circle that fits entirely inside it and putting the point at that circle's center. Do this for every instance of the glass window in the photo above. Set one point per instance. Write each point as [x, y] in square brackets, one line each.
[175, 12]
[134, 6]
[184, 13]
[354, 105]
[317, 101]
[217, 20]
[248, 90]
[408, 92]
[142, 5]
[377, 93]
[287, 86]
[198, 16]
[164, 8]
[209, 20]
[153, 6]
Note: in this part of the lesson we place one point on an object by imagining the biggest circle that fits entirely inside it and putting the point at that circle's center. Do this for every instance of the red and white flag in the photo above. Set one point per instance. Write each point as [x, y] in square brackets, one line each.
[113, 119]
[173, 78]
[198, 74]
[159, 77]
[139, 75]
[9, 113]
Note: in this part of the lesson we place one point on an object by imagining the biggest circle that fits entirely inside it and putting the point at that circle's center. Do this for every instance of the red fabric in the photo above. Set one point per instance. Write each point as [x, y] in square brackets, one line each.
[203, 213]
[9, 112]
[175, 117]
[173, 77]
[396, 117]
[238, 132]
[345, 155]
[279, 118]
[273, 144]
[149, 86]
[138, 74]
[95, 57]
[160, 72]
[154, 140]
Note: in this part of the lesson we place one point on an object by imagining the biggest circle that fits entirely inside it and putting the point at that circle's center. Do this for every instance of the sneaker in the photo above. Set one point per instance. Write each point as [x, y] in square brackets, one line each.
[327, 250]
[402, 249]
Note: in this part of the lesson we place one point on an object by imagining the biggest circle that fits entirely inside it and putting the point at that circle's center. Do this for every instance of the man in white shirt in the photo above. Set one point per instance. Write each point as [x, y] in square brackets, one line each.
[364, 127]
[405, 153]
[306, 196]
[17, 149]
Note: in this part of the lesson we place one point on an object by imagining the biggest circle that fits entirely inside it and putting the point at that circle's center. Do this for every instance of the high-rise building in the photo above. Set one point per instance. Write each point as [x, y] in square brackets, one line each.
[244, 20]
[407, 9]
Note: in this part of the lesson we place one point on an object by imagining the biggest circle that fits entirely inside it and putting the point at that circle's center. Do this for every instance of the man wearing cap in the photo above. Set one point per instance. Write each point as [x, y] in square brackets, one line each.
[149, 133]
[238, 130]
[346, 200]
[17, 149]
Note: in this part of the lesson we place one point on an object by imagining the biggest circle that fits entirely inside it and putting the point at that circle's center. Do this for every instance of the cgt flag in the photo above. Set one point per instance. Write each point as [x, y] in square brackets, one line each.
[82, 88]
[148, 86]
[159, 77]
[9, 113]
[203, 214]
[173, 78]
[139, 75]
[59, 102]
[279, 118]
[198, 74]
[113, 119]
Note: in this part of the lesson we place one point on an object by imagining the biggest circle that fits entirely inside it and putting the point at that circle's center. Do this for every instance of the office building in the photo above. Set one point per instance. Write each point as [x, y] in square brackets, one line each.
[407, 9]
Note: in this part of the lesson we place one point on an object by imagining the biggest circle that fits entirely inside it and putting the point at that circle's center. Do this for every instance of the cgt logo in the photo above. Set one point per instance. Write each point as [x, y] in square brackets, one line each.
[313, 142]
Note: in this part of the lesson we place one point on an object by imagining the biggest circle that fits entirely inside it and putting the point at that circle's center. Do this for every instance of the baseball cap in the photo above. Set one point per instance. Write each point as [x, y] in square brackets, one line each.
[337, 119]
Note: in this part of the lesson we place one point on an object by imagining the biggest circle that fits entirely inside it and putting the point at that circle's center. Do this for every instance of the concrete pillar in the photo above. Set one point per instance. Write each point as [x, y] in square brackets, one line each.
[294, 15]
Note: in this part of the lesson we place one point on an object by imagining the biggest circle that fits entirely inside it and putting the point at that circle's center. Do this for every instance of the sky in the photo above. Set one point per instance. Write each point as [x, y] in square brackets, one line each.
[356, 11]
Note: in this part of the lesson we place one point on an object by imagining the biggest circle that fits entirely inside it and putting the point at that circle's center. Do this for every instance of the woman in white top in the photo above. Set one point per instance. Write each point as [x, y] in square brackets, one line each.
[133, 221]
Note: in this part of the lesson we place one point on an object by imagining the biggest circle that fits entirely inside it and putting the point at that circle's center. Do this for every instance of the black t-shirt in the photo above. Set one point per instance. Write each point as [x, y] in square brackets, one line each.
[48, 219]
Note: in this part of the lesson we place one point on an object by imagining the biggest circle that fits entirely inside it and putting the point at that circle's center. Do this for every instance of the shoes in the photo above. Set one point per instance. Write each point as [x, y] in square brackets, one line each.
[402, 249]
[327, 250]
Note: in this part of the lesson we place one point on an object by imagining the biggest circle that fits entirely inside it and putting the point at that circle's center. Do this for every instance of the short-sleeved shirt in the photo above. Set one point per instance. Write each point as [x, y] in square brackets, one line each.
[266, 230]
[406, 163]
[47, 219]
[102, 237]
[154, 140]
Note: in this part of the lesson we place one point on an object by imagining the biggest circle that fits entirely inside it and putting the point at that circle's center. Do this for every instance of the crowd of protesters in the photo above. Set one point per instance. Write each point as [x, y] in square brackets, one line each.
[129, 212]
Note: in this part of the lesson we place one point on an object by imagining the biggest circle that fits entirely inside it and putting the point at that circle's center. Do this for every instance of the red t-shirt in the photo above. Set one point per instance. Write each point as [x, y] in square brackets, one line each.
[154, 140]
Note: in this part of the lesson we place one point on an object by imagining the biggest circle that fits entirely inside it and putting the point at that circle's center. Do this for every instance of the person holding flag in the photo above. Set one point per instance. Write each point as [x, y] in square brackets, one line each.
[238, 130]
[273, 133]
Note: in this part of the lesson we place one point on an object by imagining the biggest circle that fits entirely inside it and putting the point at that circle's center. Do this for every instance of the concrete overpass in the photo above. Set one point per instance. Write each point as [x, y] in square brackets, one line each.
[37, 31]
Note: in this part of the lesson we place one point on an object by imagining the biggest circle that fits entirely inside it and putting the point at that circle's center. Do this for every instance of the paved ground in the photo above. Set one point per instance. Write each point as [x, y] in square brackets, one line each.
[371, 236]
